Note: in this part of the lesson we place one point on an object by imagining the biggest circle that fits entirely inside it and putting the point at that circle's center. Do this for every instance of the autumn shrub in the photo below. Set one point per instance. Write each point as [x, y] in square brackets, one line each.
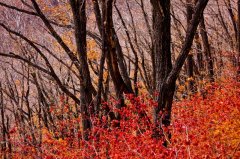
[209, 126]
[202, 127]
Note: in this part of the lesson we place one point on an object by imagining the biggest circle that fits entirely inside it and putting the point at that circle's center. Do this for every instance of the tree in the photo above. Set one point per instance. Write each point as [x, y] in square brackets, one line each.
[207, 50]
[73, 71]
[190, 60]
[167, 87]
[79, 16]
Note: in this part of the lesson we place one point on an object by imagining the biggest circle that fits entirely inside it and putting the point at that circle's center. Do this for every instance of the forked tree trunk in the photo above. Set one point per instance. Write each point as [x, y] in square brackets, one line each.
[79, 16]
[110, 44]
[167, 86]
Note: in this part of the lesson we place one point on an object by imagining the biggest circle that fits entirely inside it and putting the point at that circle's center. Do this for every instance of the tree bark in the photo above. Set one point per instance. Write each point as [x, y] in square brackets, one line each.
[231, 14]
[110, 48]
[86, 106]
[161, 41]
[207, 49]
[200, 63]
[134, 51]
[118, 54]
[190, 72]
[167, 87]
[4, 130]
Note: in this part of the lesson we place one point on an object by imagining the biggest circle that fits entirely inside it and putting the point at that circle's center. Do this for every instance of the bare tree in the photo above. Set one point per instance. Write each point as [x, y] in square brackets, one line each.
[167, 86]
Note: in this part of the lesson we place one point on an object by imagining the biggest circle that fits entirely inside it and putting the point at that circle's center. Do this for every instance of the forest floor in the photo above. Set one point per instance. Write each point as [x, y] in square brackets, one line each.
[206, 127]
[211, 126]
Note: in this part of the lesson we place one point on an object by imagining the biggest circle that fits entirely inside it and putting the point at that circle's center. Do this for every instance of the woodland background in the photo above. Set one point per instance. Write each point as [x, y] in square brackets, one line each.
[119, 78]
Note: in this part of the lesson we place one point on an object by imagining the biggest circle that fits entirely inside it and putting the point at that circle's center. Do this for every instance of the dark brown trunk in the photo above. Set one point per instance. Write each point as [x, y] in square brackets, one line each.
[100, 82]
[121, 64]
[229, 38]
[191, 82]
[4, 130]
[110, 48]
[200, 63]
[121, 61]
[167, 87]
[86, 107]
[132, 48]
[98, 16]
[231, 14]
[207, 50]
[224, 25]
[162, 40]
[162, 61]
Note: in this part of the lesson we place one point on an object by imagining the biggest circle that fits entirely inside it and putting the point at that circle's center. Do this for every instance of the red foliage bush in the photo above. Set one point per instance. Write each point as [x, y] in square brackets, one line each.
[201, 128]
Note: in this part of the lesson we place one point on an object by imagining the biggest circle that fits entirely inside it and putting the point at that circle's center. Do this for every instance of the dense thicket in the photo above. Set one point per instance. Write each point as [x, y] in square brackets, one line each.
[81, 60]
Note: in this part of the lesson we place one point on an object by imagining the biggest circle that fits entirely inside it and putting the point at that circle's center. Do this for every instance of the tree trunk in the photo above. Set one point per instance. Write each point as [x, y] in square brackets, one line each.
[199, 53]
[167, 87]
[110, 48]
[4, 130]
[161, 40]
[207, 49]
[79, 16]
[191, 83]
[231, 14]
[118, 54]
